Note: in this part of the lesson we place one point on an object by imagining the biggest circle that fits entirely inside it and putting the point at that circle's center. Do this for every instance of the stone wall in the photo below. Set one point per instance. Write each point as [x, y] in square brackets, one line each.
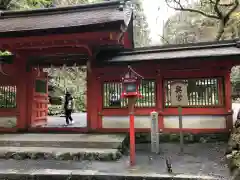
[233, 151]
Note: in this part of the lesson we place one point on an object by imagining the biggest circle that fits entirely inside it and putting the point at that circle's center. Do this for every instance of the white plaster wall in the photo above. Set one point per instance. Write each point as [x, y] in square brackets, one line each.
[196, 122]
[8, 122]
[123, 122]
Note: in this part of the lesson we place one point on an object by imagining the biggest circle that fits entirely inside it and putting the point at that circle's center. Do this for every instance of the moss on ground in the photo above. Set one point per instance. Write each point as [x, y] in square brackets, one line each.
[62, 156]
[188, 137]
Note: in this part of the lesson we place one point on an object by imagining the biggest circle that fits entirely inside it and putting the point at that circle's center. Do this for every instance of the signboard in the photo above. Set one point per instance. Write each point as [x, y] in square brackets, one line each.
[179, 98]
[179, 93]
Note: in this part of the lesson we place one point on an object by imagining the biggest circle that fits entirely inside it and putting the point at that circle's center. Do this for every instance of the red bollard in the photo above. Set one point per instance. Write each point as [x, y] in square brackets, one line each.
[132, 140]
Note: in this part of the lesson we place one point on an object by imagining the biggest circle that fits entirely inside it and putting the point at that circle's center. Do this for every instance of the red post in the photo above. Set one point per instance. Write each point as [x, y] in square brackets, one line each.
[131, 82]
[131, 103]
[132, 140]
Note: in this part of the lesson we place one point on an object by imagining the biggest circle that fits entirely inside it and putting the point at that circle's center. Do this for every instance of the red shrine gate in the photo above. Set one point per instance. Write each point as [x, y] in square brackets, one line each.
[44, 37]
[95, 40]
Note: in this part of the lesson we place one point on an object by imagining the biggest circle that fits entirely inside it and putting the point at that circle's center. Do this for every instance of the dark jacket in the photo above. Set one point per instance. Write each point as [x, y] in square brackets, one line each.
[69, 103]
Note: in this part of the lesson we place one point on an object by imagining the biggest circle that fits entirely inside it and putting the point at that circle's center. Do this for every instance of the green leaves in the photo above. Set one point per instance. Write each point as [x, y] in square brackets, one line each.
[29, 4]
[189, 26]
[140, 28]
[5, 53]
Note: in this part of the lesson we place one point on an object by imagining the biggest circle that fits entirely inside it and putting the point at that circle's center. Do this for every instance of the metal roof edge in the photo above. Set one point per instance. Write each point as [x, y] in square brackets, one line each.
[55, 10]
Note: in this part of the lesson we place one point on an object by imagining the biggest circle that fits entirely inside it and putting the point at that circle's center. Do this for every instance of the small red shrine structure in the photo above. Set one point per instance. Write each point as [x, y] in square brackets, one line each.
[101, 37]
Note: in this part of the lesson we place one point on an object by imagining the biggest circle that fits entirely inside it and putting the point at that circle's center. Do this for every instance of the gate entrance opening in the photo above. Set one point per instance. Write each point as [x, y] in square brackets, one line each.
[50, 88]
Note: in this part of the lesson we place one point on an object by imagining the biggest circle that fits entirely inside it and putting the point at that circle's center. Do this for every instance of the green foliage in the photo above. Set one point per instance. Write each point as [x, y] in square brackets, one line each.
[5, 53]
[71, 78]
[29, 4]
[54, 110]
[80, 103]
[140, 26]
[7, 97]
[4, 4]
[200, 22]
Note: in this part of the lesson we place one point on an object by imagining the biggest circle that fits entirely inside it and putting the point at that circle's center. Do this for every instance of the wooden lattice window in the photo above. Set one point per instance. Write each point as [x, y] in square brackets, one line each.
[8, 96]
[148, 91]
[201, 92]
[112, 95]
[41, 86]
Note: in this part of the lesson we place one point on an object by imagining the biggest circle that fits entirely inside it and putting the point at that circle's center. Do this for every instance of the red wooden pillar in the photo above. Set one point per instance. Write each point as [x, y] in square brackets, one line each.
[99, 97]
[228, 100]
[30, 96]
[22, 93]
[160, 100]
[89, 100]
[92, 97]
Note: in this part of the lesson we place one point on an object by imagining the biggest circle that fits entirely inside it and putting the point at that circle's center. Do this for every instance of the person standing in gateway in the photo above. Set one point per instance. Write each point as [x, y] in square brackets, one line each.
[68, 107]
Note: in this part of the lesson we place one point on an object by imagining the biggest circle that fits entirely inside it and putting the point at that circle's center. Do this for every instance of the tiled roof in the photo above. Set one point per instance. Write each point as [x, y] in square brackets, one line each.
[198, 50]
[64, 17]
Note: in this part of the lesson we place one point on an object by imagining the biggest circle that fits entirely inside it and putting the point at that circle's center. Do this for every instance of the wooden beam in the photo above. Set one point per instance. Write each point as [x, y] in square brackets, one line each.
[58, 40]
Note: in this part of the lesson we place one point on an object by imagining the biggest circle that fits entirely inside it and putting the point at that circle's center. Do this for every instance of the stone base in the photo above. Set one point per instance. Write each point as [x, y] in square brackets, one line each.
[188, 137]
[102, 147]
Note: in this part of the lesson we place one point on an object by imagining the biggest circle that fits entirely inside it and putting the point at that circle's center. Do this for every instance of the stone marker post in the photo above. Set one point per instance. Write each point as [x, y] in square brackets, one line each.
[154, 132]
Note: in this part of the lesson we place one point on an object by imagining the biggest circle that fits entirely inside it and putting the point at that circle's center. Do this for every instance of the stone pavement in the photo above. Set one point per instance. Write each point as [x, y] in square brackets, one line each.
[80, 120]
[199, 160]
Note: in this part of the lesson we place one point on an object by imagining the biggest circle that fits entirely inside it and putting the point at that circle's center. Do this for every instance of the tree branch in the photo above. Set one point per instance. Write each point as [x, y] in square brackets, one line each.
[182, 8]
[236, 4]
[216, 9]
[165, 40]
[223, 5]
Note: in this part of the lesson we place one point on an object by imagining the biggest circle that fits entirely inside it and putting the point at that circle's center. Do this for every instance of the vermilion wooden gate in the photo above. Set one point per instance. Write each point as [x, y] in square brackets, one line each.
[40, 101]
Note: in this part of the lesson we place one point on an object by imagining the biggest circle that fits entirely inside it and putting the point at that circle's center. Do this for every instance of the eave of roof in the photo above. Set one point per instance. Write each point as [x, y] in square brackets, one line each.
[59, 10]
[196, 50]
[48, 19]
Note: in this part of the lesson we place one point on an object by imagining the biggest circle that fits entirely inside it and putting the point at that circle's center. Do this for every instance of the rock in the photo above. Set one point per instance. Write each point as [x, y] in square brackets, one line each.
[189, 138]
[233, 152]
[49, 156]
[236, 174]
[63, 156]
[118, 155]
[202, 140]
[77, 157]
[237, 123]
[174, 137]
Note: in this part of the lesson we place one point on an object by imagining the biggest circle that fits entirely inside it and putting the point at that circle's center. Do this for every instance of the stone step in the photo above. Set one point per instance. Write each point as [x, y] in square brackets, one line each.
[63, 174]
[57, 153]
[105, 141]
